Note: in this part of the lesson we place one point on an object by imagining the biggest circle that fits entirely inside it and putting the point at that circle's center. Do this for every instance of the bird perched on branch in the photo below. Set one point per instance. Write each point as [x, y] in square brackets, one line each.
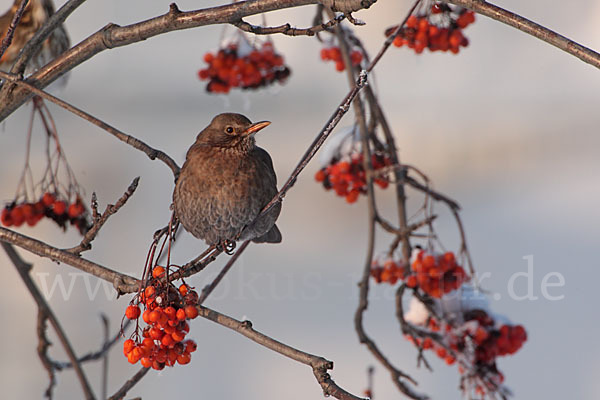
[35, 15]
[224, 184]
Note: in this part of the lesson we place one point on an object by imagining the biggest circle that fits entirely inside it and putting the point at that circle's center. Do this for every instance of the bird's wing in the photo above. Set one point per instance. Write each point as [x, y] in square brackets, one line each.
[265, 158]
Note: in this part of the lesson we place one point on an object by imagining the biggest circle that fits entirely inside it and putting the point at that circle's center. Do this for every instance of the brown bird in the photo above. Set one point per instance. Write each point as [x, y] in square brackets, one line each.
[35, 15]
[225, 182]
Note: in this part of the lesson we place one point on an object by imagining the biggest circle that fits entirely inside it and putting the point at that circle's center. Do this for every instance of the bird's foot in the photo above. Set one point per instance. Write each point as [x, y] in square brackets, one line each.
[228, 246]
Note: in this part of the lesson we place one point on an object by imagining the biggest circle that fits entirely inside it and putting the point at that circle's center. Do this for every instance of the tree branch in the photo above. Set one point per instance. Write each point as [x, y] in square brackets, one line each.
[23, 269]
[318, 142]
[523, 24]
[129, 384]
[318, 364]
[130, 140]
[10, 32]
[122, 283]
[33, 45]
[287, 29]
[86, 242]
[112, 36]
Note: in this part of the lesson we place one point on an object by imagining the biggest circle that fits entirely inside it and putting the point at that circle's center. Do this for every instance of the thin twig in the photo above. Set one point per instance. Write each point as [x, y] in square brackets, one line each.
[129, 384]
[207, 290]
[287, 29]
[388, 42]
[130, 140]
[318, 364]
[10, 32]
[96, 355]
[359, 112]
[318, 142]
[34, 44]
[23, 269]
[42, 350]
[86, 242]
[104, 386]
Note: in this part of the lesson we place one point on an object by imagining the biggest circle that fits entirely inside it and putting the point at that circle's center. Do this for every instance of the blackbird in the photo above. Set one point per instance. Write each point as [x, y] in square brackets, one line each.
[224, 184]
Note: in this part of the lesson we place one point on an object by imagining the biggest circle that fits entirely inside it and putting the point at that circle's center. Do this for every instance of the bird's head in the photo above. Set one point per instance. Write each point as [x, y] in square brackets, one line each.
[230, 131]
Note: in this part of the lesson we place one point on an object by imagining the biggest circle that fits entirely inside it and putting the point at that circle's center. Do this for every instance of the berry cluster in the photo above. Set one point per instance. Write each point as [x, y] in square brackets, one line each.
[493, 342]
[436, 275]
[439, 29]
[476, 341]
[388, 271]
[167, 310]
[347, 177]
[230, 68]
[334, 54]
[51, 206]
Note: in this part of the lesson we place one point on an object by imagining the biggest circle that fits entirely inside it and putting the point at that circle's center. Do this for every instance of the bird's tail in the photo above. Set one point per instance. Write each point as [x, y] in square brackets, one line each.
[272, 236]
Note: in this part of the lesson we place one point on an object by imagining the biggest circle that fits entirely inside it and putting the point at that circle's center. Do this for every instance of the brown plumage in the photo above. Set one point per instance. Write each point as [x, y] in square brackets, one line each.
[35, 15]
[225, 182]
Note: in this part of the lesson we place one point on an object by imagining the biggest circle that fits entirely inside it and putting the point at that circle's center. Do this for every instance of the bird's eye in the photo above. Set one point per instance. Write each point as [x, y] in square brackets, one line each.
[229, 129]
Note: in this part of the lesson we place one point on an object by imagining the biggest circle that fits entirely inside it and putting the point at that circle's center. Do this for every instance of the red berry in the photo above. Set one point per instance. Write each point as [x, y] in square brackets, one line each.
[158, 272]
[191, 312]
[181, 314]
[6, 218]
[59, 207]
[132, 312]
[48, 199]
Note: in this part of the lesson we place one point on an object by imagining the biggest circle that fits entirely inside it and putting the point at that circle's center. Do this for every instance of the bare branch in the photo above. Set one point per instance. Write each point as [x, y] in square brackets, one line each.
[32, 46]
[122, 283]
[23, 269]
[10, 32]
[287, 29]
[86, 242]
[129, 384]
[98, 354]
[318, 142]
[319, 364]
[112, 36]
[523, 24]
[42, 350]
[130, 140]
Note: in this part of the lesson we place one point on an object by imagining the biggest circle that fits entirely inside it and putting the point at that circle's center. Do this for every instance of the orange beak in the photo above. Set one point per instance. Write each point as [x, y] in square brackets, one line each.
[257, 127]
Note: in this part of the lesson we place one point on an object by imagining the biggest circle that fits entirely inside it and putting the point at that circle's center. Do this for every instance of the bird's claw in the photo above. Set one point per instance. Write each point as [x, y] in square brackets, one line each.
[228, 246]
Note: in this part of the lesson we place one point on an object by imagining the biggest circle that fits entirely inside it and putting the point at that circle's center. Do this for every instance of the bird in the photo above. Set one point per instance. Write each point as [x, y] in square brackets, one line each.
[225, 182]
[35, 15]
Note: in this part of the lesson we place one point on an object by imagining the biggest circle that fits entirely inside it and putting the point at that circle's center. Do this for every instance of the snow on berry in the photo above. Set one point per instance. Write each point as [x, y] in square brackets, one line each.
[459, 332]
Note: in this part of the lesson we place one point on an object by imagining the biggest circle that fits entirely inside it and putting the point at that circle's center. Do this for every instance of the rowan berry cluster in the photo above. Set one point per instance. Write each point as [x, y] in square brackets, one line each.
[476, 341]
[51, 206]
[334, 54]
[491, 341]
[231, 68]
[347, 176]
[435, 275]
[166, 311]
[440, 28]
[389, 271]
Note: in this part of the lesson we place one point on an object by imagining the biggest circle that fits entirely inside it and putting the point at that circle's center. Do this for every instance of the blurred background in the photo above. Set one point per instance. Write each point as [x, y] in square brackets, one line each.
[508, 127]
